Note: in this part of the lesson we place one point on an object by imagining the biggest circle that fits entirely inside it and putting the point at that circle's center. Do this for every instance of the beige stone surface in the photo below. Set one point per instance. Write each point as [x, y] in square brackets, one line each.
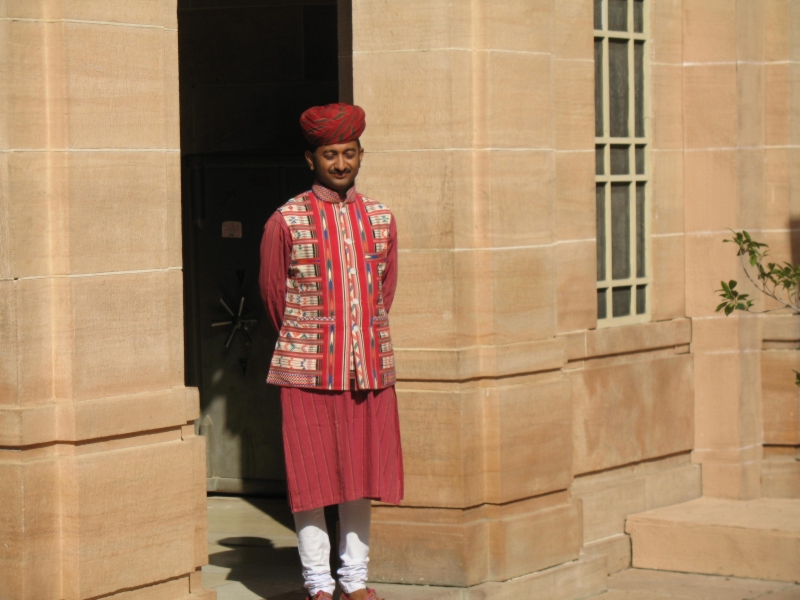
[520, 116]
[29, 560]
[104, 553]
[574, 104]
[8, 341]
[523, 305]
[666, 28]
[428, 204]
[415, 364]
[29, 211]
[632, 338]
[630, 412]
[668, 212]
[527, 454]
[26, 95]
[526, 181]
[712, 199]
[645, 584]
[486, 444]
[607, 505]
[115, 86]
[708, 261]
[463, 548]
[65, 420]
[573, 580]
[135, 12]
[425, 274]
[417, 25]
[117, 211]
[572, 19]
[93, 395]
[777, 98]
[444, 88]
[575, 197]
[176, 589]
[709, 33]
[668, 106]
[777, 192]
[101, 517]
[518, 25]
[757, 538]
[610, 496]
[780, 477]
[104, 361]
[577, 296]
[780, 400]
[752, 95]
[172, 130]
[616, 549]
[710, 105]
[667, 295]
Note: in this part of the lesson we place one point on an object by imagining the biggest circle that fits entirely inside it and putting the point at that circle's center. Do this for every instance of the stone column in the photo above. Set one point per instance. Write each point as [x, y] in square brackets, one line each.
[780, 470]
[731, 149]
[103, 476]
[464, 122]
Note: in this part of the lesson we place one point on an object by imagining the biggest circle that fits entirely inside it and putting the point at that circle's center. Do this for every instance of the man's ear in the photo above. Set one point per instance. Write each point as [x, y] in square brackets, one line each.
[310, 159]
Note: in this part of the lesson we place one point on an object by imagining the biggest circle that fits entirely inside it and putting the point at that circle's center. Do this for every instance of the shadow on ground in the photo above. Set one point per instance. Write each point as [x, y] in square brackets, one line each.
[253, 549]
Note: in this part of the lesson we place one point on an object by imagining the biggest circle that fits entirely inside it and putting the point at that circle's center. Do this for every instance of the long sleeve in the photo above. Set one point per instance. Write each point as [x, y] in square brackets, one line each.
[276, 252]
[390, 274]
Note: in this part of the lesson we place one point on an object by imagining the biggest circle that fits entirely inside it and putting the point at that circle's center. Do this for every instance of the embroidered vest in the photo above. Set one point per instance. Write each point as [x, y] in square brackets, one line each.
[335, 326]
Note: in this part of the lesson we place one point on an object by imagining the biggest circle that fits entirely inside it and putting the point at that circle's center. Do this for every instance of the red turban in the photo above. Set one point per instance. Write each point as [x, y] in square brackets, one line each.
[332, 124]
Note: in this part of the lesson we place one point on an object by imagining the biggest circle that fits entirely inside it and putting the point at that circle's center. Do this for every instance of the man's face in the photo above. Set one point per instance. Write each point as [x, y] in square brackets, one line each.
[336, 166]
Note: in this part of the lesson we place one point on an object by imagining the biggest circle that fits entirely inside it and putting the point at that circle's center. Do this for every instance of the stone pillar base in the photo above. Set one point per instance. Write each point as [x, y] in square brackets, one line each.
[577, 579]
[467, 547]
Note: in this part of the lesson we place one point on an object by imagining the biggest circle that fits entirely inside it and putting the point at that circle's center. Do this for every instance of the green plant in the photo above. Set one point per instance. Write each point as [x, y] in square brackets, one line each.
[779, 281]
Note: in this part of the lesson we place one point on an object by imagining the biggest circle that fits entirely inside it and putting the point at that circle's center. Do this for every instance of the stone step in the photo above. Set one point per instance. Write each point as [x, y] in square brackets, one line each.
[759, 539]
[574, 580]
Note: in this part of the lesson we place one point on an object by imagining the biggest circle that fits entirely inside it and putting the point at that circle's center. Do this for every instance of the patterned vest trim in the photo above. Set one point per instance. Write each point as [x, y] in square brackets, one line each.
[335, 326]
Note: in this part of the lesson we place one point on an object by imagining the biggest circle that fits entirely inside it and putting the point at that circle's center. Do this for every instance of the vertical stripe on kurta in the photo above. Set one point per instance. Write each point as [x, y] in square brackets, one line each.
[341, 446]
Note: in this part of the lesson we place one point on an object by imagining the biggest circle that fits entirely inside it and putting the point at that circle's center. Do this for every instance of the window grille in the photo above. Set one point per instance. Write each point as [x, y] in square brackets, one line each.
[622, 143]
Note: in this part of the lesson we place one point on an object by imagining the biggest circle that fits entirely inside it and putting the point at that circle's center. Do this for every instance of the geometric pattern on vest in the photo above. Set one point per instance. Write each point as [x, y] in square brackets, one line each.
[335, 325]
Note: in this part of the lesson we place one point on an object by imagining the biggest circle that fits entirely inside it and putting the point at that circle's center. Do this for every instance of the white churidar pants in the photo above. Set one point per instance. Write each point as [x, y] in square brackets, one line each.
[315, 547]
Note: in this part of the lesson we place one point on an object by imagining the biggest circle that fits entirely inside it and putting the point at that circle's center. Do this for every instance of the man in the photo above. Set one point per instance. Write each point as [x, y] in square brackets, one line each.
[328, 276]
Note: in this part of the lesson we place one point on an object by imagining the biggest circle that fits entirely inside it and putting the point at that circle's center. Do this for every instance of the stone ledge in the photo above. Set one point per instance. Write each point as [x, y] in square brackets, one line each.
[759, 539]
[616, 549]
[67, 421]
[445, 547]
[781, 328]
[780, 477]
[479, 362]
[628, 339]
[569, 581]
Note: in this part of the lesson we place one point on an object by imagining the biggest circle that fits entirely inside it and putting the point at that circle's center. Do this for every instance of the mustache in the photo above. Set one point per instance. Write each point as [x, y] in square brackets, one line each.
[335, 170]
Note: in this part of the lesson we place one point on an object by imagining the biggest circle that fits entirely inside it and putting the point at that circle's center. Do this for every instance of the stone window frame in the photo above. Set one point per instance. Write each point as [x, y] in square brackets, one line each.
[634, 150]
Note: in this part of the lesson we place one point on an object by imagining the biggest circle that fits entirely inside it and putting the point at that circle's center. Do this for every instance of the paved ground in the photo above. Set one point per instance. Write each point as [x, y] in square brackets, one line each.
[253, 556]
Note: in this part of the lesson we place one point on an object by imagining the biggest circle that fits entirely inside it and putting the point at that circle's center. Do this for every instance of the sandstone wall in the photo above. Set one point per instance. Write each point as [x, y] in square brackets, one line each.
[103, 477]
[484, 149]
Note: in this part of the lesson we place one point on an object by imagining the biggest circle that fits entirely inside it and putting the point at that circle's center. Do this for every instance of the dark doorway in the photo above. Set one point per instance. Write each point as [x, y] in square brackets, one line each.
[248, 68]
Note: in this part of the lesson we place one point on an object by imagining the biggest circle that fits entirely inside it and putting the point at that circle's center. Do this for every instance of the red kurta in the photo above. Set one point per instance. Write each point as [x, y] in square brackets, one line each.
[339, 445]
